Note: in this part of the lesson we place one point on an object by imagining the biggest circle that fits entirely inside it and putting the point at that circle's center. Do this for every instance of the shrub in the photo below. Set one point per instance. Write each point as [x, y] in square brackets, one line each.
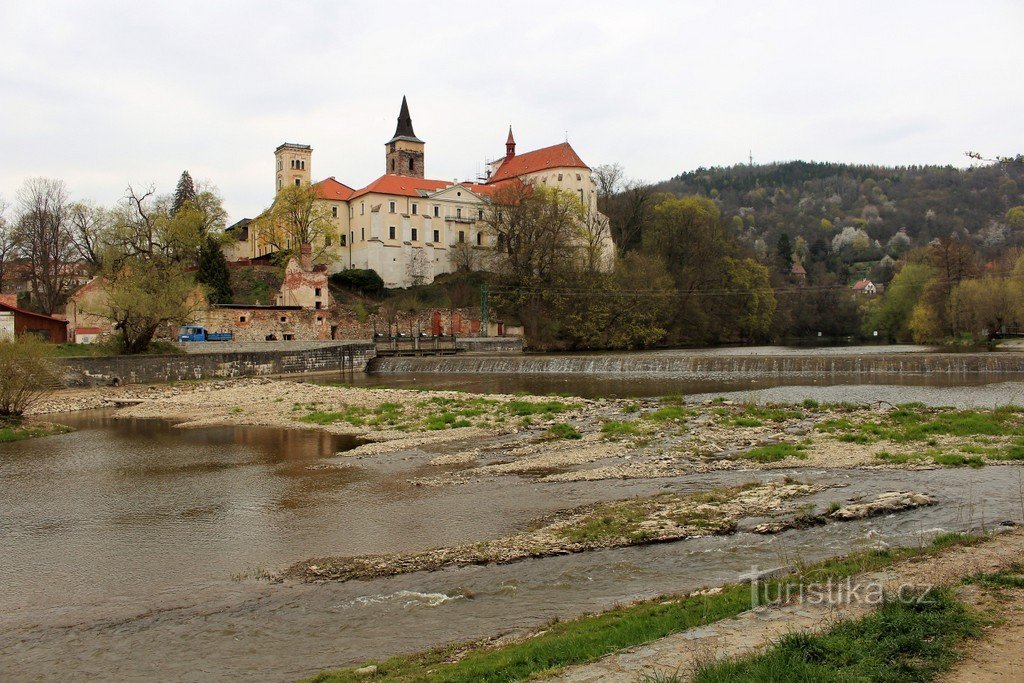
[366, 282]
[561, 430]
[27, 374]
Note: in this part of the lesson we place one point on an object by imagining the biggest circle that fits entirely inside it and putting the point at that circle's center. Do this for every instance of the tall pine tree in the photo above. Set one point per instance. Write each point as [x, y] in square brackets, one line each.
[184, 192]
[213, 272]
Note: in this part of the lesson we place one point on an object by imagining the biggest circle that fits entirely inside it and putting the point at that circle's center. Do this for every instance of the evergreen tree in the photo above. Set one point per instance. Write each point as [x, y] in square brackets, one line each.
[785, 253]
[184, 192]
[213, 272]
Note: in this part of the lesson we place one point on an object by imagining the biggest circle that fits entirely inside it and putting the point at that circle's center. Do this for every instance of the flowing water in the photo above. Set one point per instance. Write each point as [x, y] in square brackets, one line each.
[128, 548]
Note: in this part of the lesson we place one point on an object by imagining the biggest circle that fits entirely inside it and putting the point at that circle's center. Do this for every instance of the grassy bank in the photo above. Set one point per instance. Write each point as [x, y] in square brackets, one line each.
[590, 637]
[901, 641]
[18, 430]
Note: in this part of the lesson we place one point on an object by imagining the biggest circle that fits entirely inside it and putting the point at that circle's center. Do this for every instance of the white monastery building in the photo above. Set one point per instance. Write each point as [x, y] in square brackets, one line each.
[407, 227]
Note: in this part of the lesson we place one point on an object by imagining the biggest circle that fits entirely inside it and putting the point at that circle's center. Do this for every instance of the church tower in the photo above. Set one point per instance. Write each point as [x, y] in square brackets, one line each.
[404, 150]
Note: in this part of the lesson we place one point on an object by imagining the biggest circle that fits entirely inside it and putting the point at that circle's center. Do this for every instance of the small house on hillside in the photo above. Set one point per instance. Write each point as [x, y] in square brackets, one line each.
[798, 273]
[866, 287]
[21, 322]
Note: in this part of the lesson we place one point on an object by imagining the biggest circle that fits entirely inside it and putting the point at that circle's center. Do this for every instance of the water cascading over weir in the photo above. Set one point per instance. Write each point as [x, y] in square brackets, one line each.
[701, 366]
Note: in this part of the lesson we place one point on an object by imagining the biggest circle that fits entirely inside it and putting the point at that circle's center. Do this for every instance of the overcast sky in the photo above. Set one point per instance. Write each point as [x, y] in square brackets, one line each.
[103, 94]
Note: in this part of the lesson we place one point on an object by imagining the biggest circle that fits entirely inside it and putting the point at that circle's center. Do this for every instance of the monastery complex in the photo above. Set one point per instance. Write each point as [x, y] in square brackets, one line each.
[405, 226]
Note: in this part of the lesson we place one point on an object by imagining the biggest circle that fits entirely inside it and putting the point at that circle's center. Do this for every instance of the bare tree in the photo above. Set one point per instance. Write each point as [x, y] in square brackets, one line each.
[93, 227]
[8, 244]
[627, 203]
[46, 241]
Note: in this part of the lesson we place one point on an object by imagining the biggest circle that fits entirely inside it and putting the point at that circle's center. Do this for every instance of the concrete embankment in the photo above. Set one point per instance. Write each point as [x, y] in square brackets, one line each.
[703, 366]
[219, 362]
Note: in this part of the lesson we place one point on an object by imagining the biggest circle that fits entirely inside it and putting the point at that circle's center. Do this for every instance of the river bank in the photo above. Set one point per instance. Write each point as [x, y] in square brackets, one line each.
[672, 636]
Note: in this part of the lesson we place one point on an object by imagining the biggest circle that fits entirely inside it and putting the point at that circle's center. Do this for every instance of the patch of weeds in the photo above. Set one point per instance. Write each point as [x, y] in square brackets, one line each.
[957, 460]
[776, 452]
[615, 428]
[810, 404]
[668, 413]
[445, 421]
[520, 408]
[237, 411]
[354, 415]
[771, 413]
[741, 421]
[631, 408]
[1011, 578]
[898, 458]
[561, 430]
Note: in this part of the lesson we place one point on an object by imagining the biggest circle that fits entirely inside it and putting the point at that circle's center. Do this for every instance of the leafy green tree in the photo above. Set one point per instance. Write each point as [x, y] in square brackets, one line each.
[749, 308]
[297, 217]
[1015, 217]
[891, 315]
[145, 275]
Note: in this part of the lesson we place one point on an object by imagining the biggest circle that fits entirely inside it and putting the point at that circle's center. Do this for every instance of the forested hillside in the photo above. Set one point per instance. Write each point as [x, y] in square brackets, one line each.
[858, 210]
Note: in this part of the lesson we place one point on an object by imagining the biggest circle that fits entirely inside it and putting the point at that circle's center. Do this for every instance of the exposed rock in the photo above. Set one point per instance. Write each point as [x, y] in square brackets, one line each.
[891, 501]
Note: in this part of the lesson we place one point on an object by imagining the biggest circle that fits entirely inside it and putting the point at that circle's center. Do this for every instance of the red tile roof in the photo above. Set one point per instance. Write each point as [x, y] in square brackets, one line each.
[861, 284]
[405, 186]
[557, 156]
[22, 311]
[329, 188]
[87, 330]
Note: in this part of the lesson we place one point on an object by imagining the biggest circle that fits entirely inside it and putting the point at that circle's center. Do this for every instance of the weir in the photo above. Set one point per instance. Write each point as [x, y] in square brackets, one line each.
[696, 366]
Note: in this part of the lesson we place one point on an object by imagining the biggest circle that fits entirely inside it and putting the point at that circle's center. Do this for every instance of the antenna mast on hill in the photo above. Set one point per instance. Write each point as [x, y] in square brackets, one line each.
[750, 155]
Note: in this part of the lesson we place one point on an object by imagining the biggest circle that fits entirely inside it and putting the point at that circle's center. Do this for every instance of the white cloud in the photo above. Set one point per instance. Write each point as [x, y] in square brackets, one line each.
[106, 93]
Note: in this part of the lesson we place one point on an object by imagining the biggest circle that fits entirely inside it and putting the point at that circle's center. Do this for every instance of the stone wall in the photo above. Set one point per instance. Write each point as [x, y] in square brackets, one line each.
[253, 324]
[94, 371]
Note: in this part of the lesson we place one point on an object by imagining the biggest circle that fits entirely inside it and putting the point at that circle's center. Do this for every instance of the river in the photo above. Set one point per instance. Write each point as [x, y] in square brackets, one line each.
[128, 548]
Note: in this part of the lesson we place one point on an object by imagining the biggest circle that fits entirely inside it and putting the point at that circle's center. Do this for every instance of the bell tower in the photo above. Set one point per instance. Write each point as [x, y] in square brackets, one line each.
[293, 164]
[404, 151]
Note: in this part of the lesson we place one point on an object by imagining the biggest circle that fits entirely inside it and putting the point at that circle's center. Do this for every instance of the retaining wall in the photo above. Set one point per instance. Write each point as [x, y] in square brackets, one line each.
[107, 370]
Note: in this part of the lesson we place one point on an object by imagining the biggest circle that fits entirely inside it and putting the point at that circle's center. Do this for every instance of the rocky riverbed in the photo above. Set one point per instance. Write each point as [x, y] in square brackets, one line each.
[554, 438]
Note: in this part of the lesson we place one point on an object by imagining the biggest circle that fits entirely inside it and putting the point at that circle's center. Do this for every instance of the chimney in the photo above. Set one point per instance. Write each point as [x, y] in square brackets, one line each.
[306, 256]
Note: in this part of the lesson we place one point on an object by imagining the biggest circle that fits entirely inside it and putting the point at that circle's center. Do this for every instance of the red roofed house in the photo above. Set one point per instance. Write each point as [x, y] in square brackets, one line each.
[865, 287]
[22, 322]
[407, 227]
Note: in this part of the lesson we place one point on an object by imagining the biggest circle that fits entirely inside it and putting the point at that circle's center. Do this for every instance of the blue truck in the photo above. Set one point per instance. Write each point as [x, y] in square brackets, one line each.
[198, 333]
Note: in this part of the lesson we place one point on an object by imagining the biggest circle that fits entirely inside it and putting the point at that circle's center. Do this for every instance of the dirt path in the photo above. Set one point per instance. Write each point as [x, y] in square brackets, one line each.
[998, 656]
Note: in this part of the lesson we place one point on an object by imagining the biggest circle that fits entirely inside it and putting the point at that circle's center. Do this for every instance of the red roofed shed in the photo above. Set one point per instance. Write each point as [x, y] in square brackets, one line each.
[26, 322]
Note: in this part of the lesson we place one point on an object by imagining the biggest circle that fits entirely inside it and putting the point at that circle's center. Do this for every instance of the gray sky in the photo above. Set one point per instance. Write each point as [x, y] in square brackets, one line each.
[106, 93]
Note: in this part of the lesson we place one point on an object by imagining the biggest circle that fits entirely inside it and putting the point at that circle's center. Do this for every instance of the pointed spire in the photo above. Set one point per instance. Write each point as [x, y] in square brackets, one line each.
[404, 128]
[510, 145]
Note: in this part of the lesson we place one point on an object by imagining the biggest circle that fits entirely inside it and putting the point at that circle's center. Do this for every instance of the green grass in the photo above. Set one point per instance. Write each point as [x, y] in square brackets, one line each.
[523, 408]
[354, 415]
[561, 430]
[590, 637]
[905, 640]
[1012, 578]
[19, 431]
[158, 347]
[957, 460]
[776, 452]
[446, 421]
[669, 413]
[913, 422]
[741, 421]
[615, 428]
